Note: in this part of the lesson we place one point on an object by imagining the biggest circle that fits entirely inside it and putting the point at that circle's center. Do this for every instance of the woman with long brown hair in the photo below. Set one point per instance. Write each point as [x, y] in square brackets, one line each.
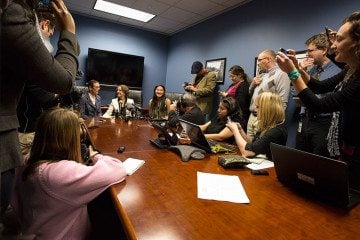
[54, 187]
[342, 98]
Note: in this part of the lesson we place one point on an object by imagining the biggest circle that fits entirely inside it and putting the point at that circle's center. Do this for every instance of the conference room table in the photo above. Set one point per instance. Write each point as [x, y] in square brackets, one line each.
[159, 201]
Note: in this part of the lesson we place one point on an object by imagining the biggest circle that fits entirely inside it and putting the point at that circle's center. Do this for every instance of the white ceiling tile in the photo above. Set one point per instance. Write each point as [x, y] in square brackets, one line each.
[214, 11]
[220, 1]
[172, 15]
[126, 3]
[131, 22]
[169, 2]
[235, 3]
[151, 6]
[178, 14]
[196, 6]
[160, 21]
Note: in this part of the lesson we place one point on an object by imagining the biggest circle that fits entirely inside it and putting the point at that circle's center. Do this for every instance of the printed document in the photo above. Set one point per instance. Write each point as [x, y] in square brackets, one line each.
[220, 187]
[132, 164]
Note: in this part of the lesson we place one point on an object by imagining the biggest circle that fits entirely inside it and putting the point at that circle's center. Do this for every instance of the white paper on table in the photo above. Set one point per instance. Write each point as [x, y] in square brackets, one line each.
[265, 164]
[132, 164]
[220, 187]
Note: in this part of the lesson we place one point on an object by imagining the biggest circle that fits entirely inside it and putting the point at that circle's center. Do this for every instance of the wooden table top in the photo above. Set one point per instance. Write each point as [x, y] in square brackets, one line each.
[159, 201]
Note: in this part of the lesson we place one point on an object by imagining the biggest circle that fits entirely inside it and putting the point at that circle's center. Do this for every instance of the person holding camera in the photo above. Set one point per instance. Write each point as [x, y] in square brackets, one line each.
[34, 99]
[185, 109]
[342, 98]
[202, 87]
[314, 127]
[24, 58]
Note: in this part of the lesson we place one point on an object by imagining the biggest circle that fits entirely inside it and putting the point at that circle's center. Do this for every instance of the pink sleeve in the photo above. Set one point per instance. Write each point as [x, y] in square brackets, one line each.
[78, 184]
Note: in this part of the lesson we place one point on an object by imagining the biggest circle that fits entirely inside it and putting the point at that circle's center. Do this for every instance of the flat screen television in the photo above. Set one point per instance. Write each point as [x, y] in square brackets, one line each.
[112, 68]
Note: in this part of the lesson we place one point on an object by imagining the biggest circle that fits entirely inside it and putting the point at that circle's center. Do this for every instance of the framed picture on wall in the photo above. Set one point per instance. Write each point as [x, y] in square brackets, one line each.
[218, 66]
[299, 56]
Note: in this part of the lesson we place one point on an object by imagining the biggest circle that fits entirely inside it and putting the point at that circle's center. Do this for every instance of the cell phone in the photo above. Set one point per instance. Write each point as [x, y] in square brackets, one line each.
[259, 172]
[283, 50]
[44, 5]
[330, 34]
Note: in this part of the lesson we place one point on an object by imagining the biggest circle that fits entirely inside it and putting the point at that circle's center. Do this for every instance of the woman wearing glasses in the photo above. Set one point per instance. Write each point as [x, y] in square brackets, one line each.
[239, 89]
[343, 96]
[271, 117]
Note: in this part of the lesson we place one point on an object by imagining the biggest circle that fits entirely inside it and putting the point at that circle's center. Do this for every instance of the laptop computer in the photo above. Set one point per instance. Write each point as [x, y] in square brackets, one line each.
[316, 176]
[164, 140]
[198, 139]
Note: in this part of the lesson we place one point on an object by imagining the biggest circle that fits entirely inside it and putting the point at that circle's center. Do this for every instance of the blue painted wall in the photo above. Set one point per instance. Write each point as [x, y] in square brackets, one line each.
[93, 33]
[239, 35]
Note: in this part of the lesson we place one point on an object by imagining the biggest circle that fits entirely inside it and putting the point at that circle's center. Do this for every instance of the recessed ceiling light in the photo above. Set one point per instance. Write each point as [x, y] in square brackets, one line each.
[122, 11]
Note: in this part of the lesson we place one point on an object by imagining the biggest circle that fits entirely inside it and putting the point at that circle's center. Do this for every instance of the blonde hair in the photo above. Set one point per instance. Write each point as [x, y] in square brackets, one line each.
[57, 137]
[271, 111]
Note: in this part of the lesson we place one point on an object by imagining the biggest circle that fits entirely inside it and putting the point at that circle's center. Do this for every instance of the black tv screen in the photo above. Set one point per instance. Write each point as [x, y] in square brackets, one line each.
[112, 68]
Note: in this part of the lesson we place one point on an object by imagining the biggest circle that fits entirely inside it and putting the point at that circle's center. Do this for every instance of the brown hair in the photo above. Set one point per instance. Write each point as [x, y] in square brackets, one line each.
[354, 31]
[319, 40]
[57, 137]
[125, 89]
[239, 71]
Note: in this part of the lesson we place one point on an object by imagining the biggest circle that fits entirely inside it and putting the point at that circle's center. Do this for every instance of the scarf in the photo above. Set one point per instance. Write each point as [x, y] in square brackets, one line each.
[334, 136]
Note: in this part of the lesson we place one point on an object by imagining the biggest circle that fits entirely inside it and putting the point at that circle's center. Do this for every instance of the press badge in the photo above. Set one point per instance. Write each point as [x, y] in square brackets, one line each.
[300, 126]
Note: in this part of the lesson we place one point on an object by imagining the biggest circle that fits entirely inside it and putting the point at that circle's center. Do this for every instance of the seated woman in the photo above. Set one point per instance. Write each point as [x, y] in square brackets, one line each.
[271, 117]
[239, 89]
[121, 105]
[54, 187]
[216, 128]
[159, 104]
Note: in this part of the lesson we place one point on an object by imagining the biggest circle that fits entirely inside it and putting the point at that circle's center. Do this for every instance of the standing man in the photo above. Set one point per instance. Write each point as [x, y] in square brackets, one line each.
[272, 79]
[25, 59]
[314, 127]
[90, 102]
[202, 87]
[35, 99]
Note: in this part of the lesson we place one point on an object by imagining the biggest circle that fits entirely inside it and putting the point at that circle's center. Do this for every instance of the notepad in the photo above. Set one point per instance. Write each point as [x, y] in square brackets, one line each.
[132, 164]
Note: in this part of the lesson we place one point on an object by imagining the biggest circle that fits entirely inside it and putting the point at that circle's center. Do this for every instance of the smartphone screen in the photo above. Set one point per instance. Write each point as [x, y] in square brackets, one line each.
[283, 50]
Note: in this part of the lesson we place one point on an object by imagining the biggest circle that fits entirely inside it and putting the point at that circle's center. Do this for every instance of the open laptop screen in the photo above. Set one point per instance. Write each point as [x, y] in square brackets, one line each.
[195, 135]
[314, 175]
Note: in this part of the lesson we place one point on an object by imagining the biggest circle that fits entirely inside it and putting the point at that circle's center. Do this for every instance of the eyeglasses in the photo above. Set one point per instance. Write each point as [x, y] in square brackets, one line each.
[260, 59]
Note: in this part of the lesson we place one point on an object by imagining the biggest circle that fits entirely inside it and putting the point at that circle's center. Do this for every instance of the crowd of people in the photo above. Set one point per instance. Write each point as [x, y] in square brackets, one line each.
[251, 113]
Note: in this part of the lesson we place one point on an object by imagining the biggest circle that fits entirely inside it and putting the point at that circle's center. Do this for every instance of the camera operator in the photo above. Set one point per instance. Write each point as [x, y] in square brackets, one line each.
[202, 87]
[29, 61]
[185, 109]
[35, 99]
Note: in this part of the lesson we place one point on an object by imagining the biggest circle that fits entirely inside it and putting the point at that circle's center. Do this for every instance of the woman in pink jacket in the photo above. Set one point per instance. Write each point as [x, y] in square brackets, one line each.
[53, 189]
